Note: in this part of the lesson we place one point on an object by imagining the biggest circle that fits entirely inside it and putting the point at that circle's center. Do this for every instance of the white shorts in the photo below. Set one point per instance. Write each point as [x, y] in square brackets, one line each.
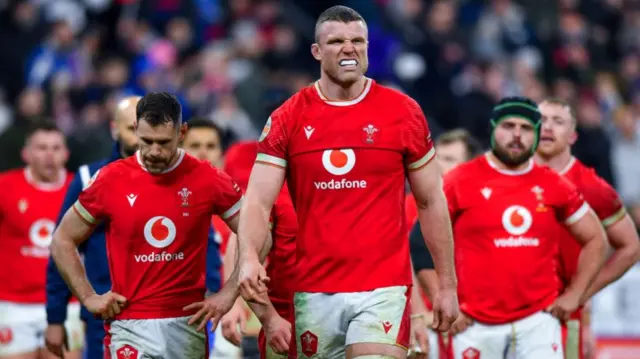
[537, 336]
[327, 323]
[169, 338]
[22, 327]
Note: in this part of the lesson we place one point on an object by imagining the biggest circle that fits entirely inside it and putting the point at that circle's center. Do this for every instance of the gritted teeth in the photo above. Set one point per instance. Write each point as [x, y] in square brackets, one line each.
[348, 62]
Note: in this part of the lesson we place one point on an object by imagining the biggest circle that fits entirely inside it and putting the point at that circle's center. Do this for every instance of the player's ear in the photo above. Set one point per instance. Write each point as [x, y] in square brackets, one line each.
[315, 51]
[183, 131]
[114, 130]
[573, 137]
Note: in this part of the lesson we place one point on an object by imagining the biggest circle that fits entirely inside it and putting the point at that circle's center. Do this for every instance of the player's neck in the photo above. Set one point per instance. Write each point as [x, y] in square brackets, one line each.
[496, 163]
[559, 163]
[44, 182]
[335, 92]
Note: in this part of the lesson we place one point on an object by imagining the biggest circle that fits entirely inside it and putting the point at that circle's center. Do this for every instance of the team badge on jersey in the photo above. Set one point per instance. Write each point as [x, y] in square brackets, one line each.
[265, 130]
[370, 132]
[184, 194]
[471, 353]
[23, 205]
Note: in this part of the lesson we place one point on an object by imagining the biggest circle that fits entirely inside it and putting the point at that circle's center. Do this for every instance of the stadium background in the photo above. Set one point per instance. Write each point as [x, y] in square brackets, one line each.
[234, 61]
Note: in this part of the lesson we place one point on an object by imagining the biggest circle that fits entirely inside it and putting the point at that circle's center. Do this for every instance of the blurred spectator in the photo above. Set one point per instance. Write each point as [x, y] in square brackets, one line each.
[625, 158]
[30, 106]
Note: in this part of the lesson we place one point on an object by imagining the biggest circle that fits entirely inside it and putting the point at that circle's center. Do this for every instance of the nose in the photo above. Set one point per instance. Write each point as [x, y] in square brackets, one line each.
[348, 47]
[155, 150]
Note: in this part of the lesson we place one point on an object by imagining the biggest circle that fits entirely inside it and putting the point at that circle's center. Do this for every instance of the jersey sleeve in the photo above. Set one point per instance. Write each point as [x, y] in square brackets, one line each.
[604, 200]
[91, 203]
[273, 142]
[571, 204]
[227, 196]
[417, 142]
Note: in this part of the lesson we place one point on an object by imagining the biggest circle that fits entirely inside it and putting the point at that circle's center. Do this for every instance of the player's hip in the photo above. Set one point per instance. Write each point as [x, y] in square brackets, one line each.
[166, 338]
[352, 276]
[160, 305]
[500, 309]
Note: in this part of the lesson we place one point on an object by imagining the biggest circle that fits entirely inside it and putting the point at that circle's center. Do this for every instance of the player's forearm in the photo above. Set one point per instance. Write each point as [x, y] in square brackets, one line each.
[263, 312]
[417, 305]
[66, 257]
[590, 261]
[428, 279]
[253, 229]
[435, 226]
[620, 261]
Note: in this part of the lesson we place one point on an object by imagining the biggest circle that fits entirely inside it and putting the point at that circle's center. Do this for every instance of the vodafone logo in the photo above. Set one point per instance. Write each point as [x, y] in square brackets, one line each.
[41, 232]
[516, 220]
[339, 162]
[160, 232]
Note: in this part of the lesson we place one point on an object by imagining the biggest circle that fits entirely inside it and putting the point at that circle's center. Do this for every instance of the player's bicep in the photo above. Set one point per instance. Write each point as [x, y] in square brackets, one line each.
[233, 223]
[265, 184]
[426, 184]
[622, 233]
[585, 227]
[73, 228]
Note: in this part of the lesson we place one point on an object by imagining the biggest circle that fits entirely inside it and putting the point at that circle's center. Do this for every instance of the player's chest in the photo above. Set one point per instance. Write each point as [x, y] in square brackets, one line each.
[516, 208]
[32, 214]
[179, 204]
[327, 127]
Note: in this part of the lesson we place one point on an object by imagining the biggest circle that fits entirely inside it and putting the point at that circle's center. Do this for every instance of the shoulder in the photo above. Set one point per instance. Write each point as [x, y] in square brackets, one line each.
[469, 169]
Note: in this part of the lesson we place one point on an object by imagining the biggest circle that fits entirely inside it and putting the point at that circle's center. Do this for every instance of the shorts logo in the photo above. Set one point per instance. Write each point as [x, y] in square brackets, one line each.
[339, 162]
[6, 336]
[265, 130]
[471, 353]
[160, 232]
[41, 232]
[516, 220]
[386, 325]
[309, 342]
[127, 352]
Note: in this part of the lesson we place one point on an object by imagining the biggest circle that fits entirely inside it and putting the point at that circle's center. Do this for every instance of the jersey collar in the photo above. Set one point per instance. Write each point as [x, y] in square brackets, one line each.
[43, 186]
[509, 172]
[569, 166]
[173, 167]
[363, 94]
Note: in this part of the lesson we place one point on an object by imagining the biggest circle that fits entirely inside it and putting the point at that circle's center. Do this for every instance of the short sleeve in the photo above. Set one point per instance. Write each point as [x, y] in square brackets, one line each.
[604, 200]
[227, 196]
[417, 142]
[571, 205]
[91, 204]
[273, 142]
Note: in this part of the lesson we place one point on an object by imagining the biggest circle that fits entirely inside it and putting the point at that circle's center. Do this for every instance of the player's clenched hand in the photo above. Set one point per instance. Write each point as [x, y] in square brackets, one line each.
[55, 338]
[234, 324]
[461, 324]
[564, 305]
[105, 306]
[277, 331]
[211, 309]
[445, 310]
[252, 280]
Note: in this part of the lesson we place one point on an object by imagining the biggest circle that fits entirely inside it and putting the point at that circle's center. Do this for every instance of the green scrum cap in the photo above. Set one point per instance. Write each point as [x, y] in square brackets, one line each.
[516, 107]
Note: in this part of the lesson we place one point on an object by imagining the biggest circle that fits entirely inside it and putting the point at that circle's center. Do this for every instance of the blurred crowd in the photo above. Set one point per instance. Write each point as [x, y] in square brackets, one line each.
[234, 61]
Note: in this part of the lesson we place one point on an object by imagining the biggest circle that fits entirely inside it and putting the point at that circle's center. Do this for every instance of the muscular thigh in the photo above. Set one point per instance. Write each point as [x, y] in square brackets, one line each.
[320, 324]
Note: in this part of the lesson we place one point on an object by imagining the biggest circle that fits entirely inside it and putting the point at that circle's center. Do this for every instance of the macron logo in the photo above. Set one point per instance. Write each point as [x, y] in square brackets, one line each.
[132, 198]
[308, 131]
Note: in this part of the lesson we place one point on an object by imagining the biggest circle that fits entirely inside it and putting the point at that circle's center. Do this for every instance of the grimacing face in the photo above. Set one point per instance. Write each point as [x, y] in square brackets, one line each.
[451, 155]
[204, 144]
[341, 49]
[158, 145]
[558, 130]
[514, 138]
[46, 154]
